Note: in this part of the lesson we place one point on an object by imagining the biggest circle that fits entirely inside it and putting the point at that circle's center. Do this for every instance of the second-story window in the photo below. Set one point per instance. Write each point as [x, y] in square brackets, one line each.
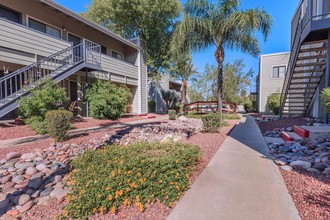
[117, 55]
[10, 15]
[103, 50]
[39, 26]
[278, 72]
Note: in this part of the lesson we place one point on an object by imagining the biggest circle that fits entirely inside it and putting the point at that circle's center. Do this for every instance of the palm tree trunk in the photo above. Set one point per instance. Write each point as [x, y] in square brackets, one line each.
[220, 56]
[184, 93]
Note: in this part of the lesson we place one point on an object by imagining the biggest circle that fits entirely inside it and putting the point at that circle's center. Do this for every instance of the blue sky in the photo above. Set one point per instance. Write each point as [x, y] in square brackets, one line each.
[278, 41]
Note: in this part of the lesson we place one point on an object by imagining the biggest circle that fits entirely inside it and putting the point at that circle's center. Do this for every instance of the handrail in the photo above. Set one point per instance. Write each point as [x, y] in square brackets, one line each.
[21, 81]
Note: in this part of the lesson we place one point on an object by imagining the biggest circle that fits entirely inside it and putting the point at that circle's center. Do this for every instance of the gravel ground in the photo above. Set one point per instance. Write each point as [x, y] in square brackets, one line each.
[12, 131]
[282, 123]
[209, 144]
[310, 193]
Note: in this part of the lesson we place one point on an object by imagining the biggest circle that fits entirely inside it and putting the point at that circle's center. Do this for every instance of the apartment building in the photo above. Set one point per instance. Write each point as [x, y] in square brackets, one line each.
[308, 68]
[40, 38]
[272, 70]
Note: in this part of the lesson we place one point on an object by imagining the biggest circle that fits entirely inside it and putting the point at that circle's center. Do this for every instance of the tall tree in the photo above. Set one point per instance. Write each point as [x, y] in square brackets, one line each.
[221, 24]
[151, 20]
[235, 82]
[183, 69]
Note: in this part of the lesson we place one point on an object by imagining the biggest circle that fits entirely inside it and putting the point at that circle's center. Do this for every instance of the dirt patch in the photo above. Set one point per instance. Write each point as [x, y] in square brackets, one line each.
[310, 193]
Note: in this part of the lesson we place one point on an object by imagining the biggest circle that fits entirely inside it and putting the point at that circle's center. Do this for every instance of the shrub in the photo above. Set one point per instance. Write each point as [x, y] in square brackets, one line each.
[49, 96]
[152, 106]
[248, 106]
[172, 114]
[106, 100]
[171, 98]
[133, 175]
[37, 124]
[58, 123]
[274, 101]
[212, 122]
[325, 98]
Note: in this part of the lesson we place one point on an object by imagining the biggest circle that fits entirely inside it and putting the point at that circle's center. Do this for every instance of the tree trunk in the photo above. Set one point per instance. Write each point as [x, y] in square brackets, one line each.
[184, 93]
[220, 56]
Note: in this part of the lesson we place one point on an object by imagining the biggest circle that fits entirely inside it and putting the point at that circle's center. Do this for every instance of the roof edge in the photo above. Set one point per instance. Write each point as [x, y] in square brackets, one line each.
[89, 22]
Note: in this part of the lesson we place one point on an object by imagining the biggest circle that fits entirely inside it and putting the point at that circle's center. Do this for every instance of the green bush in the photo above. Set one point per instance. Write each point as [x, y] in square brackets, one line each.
[134, 175]
[325, 98]
[274, 101]
[37, 124]
[212, 122]
[152, 106]
[58, 123]
[248, 106]
[172, 114]
[49, 96]
[106, 100]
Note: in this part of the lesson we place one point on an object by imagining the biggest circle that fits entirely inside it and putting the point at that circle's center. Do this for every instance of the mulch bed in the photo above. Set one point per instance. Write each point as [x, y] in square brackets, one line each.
[209, 144]
[282, 123]
[310, 193]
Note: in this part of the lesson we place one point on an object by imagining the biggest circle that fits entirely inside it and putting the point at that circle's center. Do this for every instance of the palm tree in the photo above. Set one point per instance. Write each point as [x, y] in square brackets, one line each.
[221, 24]
[183, 69]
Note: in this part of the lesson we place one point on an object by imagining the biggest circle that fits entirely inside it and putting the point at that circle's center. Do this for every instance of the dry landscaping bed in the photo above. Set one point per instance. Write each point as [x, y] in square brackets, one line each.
[53, 186]
[305, 167]
[11, 131]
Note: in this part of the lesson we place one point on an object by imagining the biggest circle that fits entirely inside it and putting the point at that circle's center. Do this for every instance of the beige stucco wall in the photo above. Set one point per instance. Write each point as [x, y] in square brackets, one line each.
[267, 84]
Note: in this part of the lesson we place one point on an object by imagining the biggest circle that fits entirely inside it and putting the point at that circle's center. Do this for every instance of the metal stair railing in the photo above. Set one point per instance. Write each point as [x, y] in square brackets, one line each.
[20, 82]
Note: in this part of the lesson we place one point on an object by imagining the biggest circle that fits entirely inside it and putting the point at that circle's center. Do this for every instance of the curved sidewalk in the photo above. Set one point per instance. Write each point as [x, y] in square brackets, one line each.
[239, 183]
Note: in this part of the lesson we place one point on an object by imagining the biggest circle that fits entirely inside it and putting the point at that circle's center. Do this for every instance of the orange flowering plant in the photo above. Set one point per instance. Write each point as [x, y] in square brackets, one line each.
[133, 175]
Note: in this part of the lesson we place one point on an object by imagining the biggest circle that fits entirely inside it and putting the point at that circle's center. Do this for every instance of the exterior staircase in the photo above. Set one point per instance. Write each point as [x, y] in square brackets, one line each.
[57, 67]
[307, 64]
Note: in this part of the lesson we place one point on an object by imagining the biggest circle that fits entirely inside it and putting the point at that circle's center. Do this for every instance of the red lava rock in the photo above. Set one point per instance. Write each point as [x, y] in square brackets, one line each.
[282, 123]
[13, 212]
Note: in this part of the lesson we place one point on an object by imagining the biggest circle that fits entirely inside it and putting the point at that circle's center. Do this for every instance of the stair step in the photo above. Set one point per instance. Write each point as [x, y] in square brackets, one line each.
[302, 83]
[312, 49]
[312, 57]
[295, 136]
[310, 71]
[302, 88]
[285, 136]
[314, 42]
[306, 77]
[311, 64]
[301, 131]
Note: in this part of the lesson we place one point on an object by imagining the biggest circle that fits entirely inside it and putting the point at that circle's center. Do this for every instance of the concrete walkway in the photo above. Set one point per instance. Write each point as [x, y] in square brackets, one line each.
[24, 140]
[239, 183]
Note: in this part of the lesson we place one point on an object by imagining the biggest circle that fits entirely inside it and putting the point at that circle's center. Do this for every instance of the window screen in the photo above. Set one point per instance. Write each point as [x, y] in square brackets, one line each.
[279, 71]
[117, 55]
[39, 26]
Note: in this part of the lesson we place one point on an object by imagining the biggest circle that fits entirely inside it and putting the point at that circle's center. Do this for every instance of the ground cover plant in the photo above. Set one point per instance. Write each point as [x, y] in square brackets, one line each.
[135, 175]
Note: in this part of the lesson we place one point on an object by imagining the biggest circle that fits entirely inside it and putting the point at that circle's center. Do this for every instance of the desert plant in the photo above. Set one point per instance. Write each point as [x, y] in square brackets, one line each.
[106, 100]
[274, 101]
[37, 124]
[152, 106]
[212, 122]
[134, 175]
[325, 98]
[171, 98]
[58, 123]
[48, 96]
[172, 114]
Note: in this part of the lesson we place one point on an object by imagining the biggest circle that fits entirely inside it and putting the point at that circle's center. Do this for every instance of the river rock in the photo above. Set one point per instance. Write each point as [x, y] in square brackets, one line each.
[28, 156]
[18, 178]
[31, 170]
[24, 166]
[13, 155]
[41, 167]
[5, 179]
[35, 183]
[26, 207]
[299, 164]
